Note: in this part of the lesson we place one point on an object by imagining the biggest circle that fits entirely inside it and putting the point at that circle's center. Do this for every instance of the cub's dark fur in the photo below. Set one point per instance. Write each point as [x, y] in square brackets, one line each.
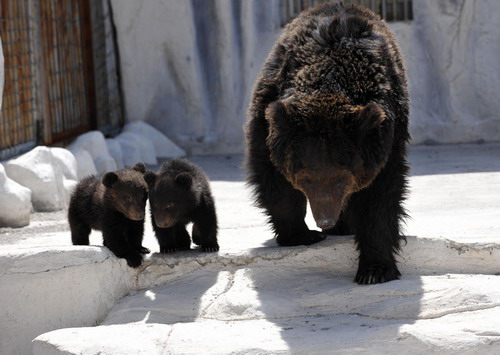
[180, 194]
[114, 205]
[328, 121]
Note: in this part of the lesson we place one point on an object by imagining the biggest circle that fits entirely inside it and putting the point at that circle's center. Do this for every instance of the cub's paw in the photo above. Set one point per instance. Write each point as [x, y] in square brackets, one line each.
[143, 250]
[307, 238]
[210, 247]
[375, 274]
[134, 260]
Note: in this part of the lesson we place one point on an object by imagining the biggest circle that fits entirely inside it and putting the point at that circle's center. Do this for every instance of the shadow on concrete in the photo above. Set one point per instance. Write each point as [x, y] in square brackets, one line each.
[326, 312]
[177, 301]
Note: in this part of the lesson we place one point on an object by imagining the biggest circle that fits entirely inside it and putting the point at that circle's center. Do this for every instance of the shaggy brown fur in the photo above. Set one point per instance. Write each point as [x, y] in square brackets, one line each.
[328, 122]
[114, 205]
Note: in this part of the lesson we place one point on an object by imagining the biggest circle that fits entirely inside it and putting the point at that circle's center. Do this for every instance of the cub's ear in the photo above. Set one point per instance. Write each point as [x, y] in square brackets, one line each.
[109, 179]
[184, 179]
[369, 117]
[140, 167]
[150, 178]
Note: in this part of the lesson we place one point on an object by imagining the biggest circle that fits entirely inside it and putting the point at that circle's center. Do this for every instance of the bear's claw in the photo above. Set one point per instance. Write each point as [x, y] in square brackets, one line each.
[168, 250]
[209, 248]
[376, 274]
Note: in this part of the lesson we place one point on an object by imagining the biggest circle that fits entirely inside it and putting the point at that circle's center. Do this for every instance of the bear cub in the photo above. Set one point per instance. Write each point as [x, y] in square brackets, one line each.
[180, 194]
[114, 205]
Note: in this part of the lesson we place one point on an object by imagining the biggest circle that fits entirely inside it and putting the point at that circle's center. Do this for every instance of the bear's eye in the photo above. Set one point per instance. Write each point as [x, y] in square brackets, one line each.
[169, 206]
[128, 199]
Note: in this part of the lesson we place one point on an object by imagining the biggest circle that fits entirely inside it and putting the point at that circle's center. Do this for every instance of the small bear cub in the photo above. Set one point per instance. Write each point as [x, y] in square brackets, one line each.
[114, 205]
[180, 194]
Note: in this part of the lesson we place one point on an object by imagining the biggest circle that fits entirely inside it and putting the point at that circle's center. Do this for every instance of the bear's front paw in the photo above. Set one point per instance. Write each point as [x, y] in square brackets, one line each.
[168, 249]
[134, 260]
[306, 238]
[143, 250]
[210, 247]
[375, 274]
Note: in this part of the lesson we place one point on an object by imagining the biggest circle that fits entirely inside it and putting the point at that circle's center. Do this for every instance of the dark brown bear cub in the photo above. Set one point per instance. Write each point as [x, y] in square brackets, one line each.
[180, 194]
[114, 205]
[328, 123]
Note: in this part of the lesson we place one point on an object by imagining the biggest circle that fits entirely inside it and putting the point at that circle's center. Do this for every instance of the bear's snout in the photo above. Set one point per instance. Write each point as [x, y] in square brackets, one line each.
[326, 223]
[137, 215]
[164, 222]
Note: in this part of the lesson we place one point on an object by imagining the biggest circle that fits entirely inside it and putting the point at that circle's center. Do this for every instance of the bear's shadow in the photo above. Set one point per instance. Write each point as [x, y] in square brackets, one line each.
[313, 309]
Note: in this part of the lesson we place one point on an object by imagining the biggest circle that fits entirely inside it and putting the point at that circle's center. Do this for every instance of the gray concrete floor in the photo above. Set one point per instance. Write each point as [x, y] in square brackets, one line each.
[454, 193]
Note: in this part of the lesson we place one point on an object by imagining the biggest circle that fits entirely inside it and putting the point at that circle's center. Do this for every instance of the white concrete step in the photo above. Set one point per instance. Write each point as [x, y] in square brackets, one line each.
[301, 300]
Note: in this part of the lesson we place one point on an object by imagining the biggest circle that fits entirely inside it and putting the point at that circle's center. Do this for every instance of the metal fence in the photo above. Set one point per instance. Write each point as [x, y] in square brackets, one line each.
[60, 72]
[18, 115]
[389, 10]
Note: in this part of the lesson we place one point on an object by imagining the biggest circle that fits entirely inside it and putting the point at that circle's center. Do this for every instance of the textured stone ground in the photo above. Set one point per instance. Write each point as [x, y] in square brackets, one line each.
[255, 297]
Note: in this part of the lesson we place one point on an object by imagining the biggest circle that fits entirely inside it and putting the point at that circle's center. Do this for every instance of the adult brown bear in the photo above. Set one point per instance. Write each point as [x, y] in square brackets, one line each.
[328, 121]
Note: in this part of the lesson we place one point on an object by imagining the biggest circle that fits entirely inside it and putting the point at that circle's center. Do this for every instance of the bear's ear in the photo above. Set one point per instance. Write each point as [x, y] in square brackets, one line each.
[109, 179]
[184, 179]
[140, 167]
[150, 178]
[278, 117]
[369, 117]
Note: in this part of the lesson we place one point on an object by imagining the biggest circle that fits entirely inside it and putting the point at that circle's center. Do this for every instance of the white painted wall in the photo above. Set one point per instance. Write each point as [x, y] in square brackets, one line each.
[188, 67]
[451, 50]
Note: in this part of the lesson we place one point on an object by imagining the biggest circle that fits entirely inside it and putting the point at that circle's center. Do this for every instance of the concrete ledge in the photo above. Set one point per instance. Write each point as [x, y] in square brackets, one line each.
[47, 289]
[300, 299]
[44, 289]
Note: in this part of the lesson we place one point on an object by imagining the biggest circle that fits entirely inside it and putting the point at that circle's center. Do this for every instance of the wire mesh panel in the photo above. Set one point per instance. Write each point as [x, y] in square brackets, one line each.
[61, 72]
[389, 10]
[108, 96]
[18, 114]
[63, 50]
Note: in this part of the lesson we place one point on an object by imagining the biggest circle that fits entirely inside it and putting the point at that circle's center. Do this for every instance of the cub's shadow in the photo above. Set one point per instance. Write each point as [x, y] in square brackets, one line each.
[177, 300]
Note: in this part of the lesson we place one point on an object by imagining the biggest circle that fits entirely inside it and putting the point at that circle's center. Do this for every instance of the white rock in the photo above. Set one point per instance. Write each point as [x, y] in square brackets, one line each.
[142, 145]
[104, 164]
[95, 144]
[15, 204]
[66, 162]
[131, 154]
[164, 147]
[39, 171]
[116, 152]
[69, 187]
[85, 163]
[58, 286]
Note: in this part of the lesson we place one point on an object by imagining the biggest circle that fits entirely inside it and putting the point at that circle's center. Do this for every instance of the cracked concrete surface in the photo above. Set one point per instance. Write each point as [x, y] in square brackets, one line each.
[255, 297]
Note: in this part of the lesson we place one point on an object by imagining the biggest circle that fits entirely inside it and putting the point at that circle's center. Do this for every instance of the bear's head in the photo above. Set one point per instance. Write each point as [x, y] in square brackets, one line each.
[126, 191]
[171, 196]
[328, 148]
